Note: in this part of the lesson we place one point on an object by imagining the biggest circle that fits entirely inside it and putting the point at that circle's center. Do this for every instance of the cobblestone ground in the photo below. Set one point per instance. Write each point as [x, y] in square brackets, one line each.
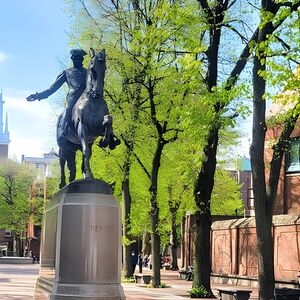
[18, 281]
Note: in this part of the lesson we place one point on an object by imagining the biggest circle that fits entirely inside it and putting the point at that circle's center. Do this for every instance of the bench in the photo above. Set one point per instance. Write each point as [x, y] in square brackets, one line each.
[15, 260]
[233, 294]
[287, 294]
[140, 277]
[186, 274]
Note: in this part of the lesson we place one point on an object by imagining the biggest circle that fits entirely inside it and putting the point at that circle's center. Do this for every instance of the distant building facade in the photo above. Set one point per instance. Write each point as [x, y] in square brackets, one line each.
[9, 243]
[4, 133]
[41, 164]
[243, 175]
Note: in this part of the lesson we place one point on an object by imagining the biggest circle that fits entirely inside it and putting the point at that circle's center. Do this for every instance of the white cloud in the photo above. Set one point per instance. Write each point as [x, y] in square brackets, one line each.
[31, 125]
[3, 57]
[26, 146]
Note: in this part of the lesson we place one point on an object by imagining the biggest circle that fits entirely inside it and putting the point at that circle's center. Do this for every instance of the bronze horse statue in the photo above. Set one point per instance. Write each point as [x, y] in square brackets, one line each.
[90, 119]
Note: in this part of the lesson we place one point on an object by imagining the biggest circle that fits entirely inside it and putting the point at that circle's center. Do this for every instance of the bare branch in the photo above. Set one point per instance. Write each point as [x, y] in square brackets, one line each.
[232, 3]
[283, 43]
[136, 156]
[244, 39]
[206, 8]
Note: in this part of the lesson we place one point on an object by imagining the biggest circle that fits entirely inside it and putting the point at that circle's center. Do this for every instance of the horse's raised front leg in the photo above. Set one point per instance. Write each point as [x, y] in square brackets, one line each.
[86, 151]
[107, 124]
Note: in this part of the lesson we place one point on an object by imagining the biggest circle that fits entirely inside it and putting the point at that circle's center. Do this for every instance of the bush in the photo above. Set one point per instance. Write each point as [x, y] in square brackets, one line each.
[162, 285]
[200, 292]
[128, 280]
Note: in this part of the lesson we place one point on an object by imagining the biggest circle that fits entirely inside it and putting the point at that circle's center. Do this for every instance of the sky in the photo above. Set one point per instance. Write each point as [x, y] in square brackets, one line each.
[34, 49]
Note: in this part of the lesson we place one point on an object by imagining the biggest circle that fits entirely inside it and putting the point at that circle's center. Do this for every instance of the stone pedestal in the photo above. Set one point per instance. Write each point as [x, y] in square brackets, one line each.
[81, 244]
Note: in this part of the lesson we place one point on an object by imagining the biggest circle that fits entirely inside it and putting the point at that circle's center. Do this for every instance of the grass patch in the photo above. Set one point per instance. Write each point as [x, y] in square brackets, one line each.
[162, 285]
[200, 292]
[128, 280]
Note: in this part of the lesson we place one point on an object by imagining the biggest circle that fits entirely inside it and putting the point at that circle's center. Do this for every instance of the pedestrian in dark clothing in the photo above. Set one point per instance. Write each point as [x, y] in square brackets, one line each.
[140, 262]
[134, 260]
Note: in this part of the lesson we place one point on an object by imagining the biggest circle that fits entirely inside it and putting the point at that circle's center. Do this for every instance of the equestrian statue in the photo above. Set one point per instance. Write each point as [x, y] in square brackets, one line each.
[86, 116]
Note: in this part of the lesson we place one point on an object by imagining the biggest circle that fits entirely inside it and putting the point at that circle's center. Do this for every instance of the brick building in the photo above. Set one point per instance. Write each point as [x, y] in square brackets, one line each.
[233, 242]
[243, 175]
[288, 193]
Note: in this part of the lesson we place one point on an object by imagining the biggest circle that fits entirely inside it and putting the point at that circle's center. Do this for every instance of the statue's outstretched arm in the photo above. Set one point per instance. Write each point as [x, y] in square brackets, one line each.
[60, 80]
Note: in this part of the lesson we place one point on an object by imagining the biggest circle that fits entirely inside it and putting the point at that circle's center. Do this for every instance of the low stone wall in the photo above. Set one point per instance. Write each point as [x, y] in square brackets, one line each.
[234, 252]
[15, 260]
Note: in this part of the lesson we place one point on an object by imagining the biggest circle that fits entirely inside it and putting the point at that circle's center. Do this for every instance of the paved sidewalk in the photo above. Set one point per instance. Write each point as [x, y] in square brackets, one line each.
[17, 282]
[176, 288]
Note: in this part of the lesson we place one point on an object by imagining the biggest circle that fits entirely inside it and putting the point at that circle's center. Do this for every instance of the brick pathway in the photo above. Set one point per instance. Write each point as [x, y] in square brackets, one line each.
[17, 283]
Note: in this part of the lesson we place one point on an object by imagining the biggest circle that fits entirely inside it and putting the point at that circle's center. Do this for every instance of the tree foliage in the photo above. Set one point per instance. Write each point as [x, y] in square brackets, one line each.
[15, 186]
[276, 50]
[169, 103]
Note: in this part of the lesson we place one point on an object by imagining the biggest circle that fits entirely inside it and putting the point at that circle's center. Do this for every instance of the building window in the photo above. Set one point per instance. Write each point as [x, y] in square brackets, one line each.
[293, 156]
[7, 233]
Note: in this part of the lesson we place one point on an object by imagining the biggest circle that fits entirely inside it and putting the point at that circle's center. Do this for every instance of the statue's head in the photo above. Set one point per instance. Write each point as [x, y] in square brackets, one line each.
[77, 56]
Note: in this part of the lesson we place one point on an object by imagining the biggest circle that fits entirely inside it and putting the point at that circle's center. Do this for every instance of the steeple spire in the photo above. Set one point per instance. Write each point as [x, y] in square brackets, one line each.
[1, 115]
[6, 132]
[4, 136]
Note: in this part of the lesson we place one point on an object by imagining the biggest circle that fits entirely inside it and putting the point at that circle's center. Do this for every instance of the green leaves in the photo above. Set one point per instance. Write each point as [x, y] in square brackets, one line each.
[15, 187]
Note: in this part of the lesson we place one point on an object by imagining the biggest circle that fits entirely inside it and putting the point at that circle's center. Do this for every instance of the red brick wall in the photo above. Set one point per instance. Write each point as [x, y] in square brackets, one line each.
[234, 251]
[293, 194]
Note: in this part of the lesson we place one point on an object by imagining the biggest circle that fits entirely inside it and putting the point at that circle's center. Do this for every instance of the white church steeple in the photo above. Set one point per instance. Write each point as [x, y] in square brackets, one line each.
[1, 115]
[4, 134]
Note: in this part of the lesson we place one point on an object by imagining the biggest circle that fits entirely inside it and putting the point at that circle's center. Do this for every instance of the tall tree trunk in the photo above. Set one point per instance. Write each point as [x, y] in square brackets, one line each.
[263, 210]
[265, 192]
[202, 192]
[146, 243]
[173, 208]
[155, 242]
[205, 179]
[126, 197]
[154, 215]
[263, 206]
[174, 241]
[202, 262]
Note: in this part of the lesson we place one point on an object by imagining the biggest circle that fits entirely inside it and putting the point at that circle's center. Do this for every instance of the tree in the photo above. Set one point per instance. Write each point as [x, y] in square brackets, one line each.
[162, 40]
[220, 93]
[273, 15]
[148, 38]
[15, 186]
[226, 196]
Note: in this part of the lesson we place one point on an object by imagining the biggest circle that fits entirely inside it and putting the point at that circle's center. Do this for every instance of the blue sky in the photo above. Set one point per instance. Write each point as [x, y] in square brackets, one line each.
[33, 51]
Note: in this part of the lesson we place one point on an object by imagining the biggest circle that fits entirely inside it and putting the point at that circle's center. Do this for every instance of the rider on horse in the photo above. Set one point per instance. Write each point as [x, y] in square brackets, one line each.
[75, 77]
